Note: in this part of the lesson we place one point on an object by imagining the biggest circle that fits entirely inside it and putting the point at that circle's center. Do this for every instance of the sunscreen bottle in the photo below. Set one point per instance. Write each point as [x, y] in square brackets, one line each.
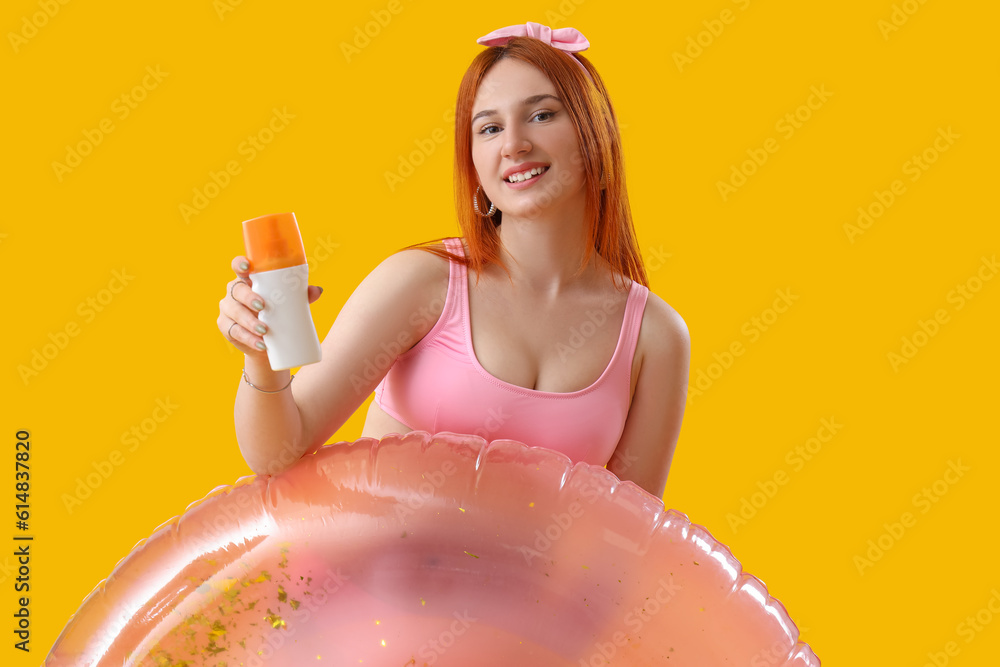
[281, 276]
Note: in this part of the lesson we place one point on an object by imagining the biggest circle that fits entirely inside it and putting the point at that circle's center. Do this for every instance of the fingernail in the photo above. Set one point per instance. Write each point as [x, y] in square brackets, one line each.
[320, 290]
[261, 346]
[257, 304]
[261, 329]
[244, 266]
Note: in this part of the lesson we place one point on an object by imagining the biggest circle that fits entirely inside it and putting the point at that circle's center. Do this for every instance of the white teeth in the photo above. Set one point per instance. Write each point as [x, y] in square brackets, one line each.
[525, 175]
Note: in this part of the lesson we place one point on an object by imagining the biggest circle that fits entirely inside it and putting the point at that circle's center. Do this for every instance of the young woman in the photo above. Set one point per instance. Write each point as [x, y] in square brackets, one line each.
[536, 326]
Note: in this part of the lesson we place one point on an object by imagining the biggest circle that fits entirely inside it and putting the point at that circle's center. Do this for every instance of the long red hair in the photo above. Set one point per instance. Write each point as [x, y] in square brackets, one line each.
[586, 100]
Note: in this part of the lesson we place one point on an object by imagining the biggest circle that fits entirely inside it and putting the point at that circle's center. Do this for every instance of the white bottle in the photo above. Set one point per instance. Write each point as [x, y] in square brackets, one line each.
[281, 276]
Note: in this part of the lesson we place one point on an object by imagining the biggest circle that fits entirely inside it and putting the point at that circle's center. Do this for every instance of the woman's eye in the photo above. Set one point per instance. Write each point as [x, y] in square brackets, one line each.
[548, 114]
[487, 128]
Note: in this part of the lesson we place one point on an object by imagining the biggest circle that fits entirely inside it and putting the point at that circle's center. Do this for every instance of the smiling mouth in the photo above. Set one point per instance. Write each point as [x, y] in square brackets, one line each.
[526, 175]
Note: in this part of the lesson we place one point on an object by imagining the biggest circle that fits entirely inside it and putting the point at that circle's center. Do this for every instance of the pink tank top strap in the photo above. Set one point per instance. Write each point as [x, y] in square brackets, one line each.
[633, 314]
[458, 270]
[629, 337]
[451, 313]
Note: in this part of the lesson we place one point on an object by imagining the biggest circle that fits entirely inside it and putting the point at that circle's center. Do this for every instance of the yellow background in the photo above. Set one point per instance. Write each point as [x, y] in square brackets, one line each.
[719, 262]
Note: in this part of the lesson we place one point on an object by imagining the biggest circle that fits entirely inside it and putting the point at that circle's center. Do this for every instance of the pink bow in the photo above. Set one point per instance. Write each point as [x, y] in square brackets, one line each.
[564, 39]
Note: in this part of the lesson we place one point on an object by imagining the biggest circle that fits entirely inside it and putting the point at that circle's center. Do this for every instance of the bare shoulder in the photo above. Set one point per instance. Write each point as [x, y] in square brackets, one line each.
[663, 330]
[414, 263]
[406, 292]
[415, 274]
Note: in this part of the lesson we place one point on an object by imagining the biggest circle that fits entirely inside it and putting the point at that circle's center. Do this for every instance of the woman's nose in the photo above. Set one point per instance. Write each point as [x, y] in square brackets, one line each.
[515, 141]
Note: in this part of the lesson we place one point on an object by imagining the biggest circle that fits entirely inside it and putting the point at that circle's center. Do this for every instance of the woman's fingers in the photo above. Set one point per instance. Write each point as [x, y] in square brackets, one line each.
[244, 294]
[241, 307]
[240, 292]
[241, 267]
[238, 310]
[247, 341]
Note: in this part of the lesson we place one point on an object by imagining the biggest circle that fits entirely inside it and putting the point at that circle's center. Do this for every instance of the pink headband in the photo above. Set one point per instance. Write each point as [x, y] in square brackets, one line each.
[569, 40]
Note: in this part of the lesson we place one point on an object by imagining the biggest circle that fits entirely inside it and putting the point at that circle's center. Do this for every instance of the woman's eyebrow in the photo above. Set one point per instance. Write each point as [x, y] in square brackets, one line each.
[528, 101]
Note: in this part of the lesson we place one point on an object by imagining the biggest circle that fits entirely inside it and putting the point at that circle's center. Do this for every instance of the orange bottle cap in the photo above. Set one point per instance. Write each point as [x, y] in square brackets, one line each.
[273, 242]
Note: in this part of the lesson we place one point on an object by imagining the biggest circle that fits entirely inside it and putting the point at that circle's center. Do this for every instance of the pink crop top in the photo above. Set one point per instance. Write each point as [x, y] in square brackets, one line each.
[439, 385]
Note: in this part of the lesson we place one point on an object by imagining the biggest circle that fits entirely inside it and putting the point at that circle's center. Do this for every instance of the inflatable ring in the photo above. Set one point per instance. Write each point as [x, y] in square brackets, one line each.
[431, 550]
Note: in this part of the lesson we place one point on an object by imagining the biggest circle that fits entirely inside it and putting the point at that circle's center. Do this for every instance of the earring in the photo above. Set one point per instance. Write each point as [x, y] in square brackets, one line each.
[475, 205]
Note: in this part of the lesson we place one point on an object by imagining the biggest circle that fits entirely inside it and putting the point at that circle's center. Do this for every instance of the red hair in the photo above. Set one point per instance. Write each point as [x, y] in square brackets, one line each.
[609, 217]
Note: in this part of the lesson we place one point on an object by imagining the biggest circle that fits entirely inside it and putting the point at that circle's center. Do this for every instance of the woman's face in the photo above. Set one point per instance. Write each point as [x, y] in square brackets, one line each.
[519, 123]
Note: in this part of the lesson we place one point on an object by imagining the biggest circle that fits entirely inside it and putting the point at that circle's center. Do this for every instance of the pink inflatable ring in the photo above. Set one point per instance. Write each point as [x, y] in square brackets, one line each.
[431, 550]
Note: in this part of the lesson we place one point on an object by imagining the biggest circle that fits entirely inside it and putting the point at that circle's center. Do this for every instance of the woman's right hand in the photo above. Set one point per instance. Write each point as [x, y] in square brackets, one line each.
[238, 310]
